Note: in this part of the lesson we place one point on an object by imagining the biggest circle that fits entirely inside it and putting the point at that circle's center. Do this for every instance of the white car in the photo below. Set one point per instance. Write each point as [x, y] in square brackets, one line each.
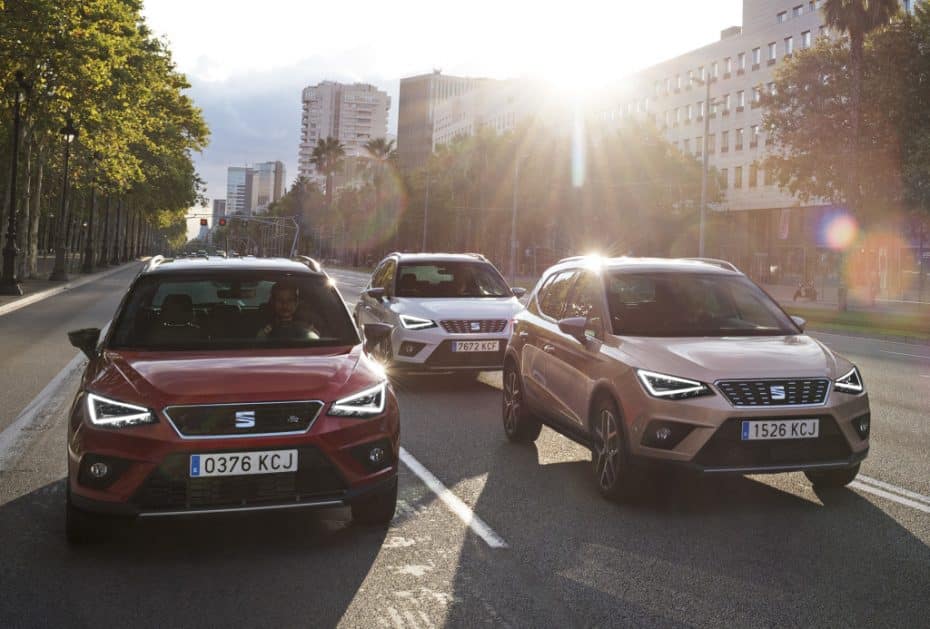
[450, 312]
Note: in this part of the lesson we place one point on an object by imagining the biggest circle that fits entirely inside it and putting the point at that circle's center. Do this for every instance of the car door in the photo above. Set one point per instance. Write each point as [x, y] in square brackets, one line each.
[572, 365]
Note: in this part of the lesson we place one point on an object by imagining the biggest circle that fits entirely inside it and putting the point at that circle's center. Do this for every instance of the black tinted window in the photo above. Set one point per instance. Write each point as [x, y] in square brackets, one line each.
[687, 304]
[555, 293]
[450, 279]
[226, 311]
[584, 301]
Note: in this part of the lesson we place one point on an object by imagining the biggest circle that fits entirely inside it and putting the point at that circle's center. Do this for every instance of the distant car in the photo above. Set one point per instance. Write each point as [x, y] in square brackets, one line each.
[678, 362]
[230, 385]
[450, 312]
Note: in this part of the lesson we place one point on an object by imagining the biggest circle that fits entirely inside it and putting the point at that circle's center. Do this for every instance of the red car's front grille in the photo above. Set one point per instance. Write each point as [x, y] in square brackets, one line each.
[473, 326]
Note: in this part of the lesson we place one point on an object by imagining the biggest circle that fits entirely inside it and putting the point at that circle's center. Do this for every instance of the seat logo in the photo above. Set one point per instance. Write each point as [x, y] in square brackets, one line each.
[777, 391]
[245, 419]
[475, 326]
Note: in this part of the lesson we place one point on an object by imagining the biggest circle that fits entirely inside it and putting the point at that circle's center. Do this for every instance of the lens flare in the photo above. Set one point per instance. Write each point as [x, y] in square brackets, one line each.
[840, 231]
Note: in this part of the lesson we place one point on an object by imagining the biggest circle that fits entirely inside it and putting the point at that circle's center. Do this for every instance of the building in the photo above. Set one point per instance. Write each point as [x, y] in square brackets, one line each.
[761, 228]
[267, 184]
[353, 114]
[219, 211]
[238, 190]
[419, 96]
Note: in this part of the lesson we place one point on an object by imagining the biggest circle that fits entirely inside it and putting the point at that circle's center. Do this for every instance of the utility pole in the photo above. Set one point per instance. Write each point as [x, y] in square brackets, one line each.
[707, 108]
[513, 224]
[425, 211]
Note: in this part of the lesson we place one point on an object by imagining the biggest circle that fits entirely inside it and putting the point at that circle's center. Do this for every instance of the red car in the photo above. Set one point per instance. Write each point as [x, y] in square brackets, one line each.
[230, 385]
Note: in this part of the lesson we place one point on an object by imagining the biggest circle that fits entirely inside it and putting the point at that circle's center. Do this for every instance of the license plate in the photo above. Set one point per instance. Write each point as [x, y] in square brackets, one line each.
[475, 346]
[243, 463]
[781, 429]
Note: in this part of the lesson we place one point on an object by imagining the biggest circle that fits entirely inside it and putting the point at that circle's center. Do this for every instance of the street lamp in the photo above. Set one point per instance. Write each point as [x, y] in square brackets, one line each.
[708, 106]
[59, 272]
[9, 285]
[88, 266]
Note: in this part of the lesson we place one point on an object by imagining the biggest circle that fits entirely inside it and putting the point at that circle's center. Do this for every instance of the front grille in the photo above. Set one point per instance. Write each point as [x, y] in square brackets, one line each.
[170, 488]
[243, 419]
[443, 356]
[785, 392]
[727, 449]
[473, 326]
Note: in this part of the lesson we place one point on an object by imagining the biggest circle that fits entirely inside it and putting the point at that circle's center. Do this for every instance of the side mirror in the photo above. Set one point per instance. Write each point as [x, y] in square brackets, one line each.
[85, 340]
[518, 292]
[575, 327]
[801, 322]
[375, 333]
[377, 293]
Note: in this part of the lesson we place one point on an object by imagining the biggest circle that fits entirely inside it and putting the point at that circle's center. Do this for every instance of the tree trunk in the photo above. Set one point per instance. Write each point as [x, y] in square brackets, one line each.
[104, 257]
[32, 242]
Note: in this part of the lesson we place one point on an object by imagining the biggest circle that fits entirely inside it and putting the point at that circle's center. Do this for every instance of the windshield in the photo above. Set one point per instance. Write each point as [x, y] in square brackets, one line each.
[450, 279]
[690, 304]
[244, 310]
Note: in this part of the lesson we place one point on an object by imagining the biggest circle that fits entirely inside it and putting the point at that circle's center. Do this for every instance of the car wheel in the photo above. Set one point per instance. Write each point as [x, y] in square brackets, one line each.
[520, 425]
[615, 477]
[832, 479]
[82, 527]
[377, 510]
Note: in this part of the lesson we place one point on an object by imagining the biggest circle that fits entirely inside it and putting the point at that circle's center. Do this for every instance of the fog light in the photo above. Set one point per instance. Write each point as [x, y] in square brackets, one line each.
[663, 434]
[410, 348]
[862, 425]
[376, 455]
[99, 469]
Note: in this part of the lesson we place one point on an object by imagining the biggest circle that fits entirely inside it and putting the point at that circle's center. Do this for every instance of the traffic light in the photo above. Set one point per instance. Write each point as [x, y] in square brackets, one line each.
[203, 222]
[223, 222]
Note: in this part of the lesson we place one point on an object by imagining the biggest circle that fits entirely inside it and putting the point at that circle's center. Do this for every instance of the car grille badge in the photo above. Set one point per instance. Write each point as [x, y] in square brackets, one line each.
[245, 419]
[777, 391]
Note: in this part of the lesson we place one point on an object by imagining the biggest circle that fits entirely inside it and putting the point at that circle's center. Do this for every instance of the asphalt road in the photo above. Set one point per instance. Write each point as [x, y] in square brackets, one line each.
[760, 551]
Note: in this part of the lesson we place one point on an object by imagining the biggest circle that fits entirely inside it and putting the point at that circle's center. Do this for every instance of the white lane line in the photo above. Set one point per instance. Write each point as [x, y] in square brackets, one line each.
[28, 300]
[913, 495]
[886, 351]
[455, 504]
[890, 496]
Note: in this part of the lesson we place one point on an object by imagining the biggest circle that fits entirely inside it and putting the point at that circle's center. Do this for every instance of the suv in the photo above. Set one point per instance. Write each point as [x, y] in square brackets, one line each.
[449, 311]
[229, 385]
[680, 362]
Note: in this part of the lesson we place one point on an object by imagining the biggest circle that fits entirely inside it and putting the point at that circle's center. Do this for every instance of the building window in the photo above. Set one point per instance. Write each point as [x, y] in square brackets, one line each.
[687, 146]
[811, 6]
[805, 40]
[798, 10]
[724, 176]
[771, 88]
[753, 175]
[711, 143]
[739, 139]
[677, 81]
[668, 85]
[699, 145]
[724, 141]
[740, 99]
[754, 136]
[727, 65]
[769, 177]
[773, 51]
[713, 70]
[756, 57]
[667, 114]
[726, 103]
[701, 74]
[789, 45]
[677, 115]
[756, 95]
[658, 87]
[822, 32]
[738, 177]
[700, 109]
[688, 113]
[741, 61]
[690, 78]
[782, 17]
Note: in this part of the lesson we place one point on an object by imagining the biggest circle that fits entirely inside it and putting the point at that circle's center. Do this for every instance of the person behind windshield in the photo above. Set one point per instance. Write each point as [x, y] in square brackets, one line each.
[284, 301]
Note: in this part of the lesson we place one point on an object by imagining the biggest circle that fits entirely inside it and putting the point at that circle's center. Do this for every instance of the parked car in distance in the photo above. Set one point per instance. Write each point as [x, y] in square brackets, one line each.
[653, 362]
[449, 312]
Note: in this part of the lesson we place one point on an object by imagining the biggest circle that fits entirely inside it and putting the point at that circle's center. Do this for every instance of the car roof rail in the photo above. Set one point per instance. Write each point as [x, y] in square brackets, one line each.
[154, 261]
[722, 264]
[473, 254]
[310, 262]
[571, 259]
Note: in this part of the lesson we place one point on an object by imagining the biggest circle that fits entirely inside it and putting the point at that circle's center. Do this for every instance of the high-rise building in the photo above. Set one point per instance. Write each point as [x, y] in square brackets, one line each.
[353, 114]
[239, 190]
[219, 211]
[267, 184]
[419, 96]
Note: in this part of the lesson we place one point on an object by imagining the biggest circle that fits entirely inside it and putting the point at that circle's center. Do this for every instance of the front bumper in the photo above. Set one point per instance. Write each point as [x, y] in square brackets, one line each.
[434, 350]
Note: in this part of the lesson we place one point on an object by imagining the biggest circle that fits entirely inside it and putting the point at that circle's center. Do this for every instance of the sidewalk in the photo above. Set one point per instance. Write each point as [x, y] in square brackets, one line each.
[858, 300]
[40, 287]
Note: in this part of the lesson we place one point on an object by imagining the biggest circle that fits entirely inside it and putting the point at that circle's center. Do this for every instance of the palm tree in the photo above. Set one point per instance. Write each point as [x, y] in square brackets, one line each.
[327, 159]
[381, 152]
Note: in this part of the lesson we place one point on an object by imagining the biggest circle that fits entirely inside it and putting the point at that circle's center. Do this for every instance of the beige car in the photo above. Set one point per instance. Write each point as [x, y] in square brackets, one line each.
[681, 362]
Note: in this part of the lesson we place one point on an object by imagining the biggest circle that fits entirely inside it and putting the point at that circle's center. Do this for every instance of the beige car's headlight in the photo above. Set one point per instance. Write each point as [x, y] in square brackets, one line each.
[850, 382]
[668, 387]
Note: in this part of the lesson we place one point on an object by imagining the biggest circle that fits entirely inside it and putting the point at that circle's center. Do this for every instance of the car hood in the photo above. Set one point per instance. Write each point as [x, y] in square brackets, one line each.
[708, 359]
[461, 308]
[159, 379]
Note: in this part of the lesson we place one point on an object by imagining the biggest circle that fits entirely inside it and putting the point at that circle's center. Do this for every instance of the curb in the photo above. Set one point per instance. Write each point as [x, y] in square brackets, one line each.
[28, 300]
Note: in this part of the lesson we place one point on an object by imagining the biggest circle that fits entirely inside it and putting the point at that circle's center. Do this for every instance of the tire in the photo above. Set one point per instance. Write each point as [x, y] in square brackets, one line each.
[82, 527]
[832, 479]
[615, 476]
[520, 425]
[377, 510]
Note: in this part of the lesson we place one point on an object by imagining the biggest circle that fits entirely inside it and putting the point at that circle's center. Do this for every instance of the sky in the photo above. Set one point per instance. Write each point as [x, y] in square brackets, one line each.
[248, 61]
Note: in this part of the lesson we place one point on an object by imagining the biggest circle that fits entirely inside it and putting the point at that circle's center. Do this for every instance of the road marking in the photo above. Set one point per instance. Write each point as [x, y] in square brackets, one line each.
[924, 356]
[28, 300]
[894, 488]
[889, 496]
[455, 504]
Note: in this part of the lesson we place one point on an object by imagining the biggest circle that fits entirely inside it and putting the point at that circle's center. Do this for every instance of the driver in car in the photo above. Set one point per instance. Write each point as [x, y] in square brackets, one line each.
[284, 301]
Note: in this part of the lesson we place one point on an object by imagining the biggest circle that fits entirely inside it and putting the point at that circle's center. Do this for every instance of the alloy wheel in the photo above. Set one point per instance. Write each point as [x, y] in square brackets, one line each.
[607, 449]
[512, 401]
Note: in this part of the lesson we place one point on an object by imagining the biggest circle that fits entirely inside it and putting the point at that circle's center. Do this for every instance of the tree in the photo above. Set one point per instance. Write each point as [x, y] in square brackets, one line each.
[327, 158]
[382, 154]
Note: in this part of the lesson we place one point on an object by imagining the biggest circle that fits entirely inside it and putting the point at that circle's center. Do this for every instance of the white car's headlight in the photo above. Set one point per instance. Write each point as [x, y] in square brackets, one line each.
[367, 403]
[661, 385]
[851, 382]
[416, 323]
[113, 414]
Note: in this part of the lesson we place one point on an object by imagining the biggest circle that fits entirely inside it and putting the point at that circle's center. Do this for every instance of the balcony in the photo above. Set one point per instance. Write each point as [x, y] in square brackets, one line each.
[740, 108]
[724, 149]
[755, 67]
[726, 75]
[738, 147]
[700, 118]
[770, 62]
[741, 72]
[753, 145]
[726, 112]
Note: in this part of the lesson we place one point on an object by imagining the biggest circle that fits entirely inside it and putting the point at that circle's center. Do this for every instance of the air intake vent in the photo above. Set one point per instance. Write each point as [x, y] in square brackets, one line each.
[775, 392]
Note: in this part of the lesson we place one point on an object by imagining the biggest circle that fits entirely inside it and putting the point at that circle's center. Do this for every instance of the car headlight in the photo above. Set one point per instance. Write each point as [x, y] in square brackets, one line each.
[851, 382]
[416, 323]
[113, 414]
[367, 403]
[661, 385]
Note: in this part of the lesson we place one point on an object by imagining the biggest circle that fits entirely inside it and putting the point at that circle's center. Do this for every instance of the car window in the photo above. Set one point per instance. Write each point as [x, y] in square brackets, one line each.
[450, 279]
[387, 282]
[232, 311]
[584, 301]
[691, 304]
[553, 302]
[377, 276]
